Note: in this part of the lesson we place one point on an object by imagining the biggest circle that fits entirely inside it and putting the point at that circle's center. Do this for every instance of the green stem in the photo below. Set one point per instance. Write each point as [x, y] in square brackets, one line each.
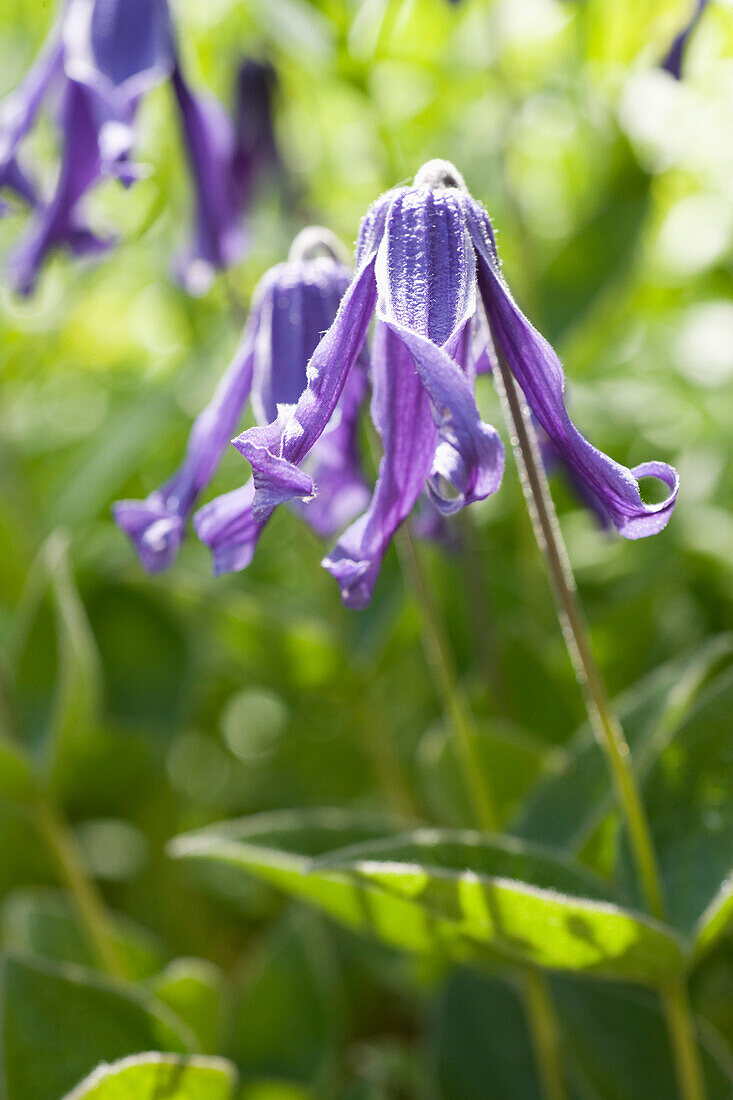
[545, 1034]
[684, 1046]
[90, 906]
[538, 1005]
[604, 722]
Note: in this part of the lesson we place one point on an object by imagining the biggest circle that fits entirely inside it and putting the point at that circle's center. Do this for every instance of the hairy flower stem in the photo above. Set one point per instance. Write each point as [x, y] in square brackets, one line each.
[604, 722]
[89, 905]
[538, 1005]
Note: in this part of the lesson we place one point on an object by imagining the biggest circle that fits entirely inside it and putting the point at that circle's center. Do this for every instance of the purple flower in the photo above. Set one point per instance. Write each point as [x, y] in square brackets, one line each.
[104, 55]
[673, 61]
[256, 149]
[426, 266]
[293, 305]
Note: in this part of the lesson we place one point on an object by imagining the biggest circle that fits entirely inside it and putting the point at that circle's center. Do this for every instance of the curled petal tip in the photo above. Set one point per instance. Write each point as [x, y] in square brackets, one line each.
[155, 532]
[650, 519]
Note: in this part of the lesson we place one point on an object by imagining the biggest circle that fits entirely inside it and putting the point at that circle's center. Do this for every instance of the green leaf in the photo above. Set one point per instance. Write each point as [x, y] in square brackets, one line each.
[193, 989]
[458, 895]
[510, 756]
[288, 1012]
[617, 1044]
[687, 796]
[571, 804]
[16, 778]
[154, 1076]
[480, 1041]
[59, 1022]
[45, 923]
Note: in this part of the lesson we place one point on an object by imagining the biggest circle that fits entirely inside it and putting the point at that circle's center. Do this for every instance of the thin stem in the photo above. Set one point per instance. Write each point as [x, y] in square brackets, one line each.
[604, 722]
[545, 1034]
[452, 695]
[537, 1002]
[684, 1046]
[89, 904]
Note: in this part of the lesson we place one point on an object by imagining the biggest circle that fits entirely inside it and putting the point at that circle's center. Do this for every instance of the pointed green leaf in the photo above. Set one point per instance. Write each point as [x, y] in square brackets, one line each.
[154, 1076]
[459, 895]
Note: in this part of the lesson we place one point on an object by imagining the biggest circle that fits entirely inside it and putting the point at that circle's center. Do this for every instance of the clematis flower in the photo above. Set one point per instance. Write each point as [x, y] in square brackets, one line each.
[428, 271]
[103, 56]
[673, 61]
[293, 305]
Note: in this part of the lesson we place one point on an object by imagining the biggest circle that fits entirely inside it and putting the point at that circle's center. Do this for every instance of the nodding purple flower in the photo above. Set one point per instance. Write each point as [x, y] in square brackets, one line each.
[294, 304]
[104, 55]
[428, 270]
[673, 61]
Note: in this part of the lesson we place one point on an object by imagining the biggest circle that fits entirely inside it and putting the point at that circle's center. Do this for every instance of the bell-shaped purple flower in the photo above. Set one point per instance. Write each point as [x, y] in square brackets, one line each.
[256, 150]
[293, 305]
[428, 270]
[104, 55]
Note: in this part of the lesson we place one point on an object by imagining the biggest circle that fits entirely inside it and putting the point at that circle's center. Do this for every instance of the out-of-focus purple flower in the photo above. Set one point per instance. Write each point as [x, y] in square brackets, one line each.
[105, 55]
[293, 305]
[426, 258]
[256, 150]
[673, 61]
[218, 238]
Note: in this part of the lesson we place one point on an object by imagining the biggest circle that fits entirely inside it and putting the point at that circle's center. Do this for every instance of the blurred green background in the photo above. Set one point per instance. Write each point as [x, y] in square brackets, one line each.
[158, 705]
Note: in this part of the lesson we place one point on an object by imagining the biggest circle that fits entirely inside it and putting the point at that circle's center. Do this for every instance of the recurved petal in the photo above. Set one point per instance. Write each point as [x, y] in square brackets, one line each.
[469, 455]
[276, 451]
[227, 526]
[537, 369]
[401, 411]
[156, 525]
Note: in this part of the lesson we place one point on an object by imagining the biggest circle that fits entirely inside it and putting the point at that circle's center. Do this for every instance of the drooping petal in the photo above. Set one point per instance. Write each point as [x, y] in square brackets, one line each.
[552, 459]
[18, 112]
[227, 526]
[58, 224]
[256, 149]
[218, 238]
[275, 451]
[336, 466]
[537, 369]
[427, 295]
[156, 525]
[402, 414]
[119, 48]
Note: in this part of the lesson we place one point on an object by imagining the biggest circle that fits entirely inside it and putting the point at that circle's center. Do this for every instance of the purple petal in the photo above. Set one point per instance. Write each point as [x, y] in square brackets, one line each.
[218, 239]
[13, 177]
[275, 451]
[401, 411]
[227, 526]
[341, 490]
[156, 525]
[299, 302]
[19, 109]
[58, 223]
[256, 147]
[427, 295]
[119, 48]
[537, 369]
